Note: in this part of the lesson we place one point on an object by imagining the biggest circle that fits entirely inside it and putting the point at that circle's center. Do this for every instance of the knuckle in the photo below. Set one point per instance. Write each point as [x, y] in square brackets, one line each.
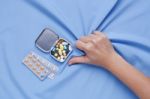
[104, 36]
[94, 42]
[99, 39]
[89, 47]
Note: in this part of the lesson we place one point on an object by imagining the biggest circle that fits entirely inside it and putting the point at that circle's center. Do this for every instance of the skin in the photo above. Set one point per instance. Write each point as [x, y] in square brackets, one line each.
[100, 52]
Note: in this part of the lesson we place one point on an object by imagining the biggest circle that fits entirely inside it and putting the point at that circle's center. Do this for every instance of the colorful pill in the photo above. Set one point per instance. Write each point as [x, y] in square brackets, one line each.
[60, 52]
[55, 54]
[58, 58]
[64, 43]
[61, 47]
[38, 64]
[42, 68]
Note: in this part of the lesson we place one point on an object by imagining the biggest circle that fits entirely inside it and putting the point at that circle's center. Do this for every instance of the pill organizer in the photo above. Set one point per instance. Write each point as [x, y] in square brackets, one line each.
[49, 42]
[41, 67]
[61, 50]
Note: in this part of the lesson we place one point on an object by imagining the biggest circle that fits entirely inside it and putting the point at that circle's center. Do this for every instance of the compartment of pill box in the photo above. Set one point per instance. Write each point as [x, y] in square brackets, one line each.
[61, 50]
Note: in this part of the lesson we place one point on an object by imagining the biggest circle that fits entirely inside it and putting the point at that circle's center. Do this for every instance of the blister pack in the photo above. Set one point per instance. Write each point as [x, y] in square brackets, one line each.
[40, 66]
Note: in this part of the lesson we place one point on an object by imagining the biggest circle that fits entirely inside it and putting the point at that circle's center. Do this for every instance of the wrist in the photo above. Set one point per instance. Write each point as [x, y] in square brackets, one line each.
[112, 61]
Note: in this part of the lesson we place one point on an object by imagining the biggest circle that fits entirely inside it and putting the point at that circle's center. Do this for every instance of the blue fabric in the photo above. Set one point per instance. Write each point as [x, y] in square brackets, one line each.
[126, 22]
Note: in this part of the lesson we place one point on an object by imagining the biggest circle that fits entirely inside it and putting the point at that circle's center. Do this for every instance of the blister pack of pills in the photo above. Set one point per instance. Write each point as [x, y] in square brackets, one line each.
[41, 67]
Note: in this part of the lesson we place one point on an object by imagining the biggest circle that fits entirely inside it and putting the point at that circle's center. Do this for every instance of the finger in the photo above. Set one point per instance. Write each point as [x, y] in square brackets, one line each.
[98, 33]
[78, 59]
[92, 36]
[85, 39]
[80, 45]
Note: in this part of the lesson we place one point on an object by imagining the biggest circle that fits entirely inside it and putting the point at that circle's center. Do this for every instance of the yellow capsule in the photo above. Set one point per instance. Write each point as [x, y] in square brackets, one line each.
[42, 68]
[38, 64]
[61, 47]
[55, 54]
[60, 52]
[64, 54]
[58, 58]
[57, 48]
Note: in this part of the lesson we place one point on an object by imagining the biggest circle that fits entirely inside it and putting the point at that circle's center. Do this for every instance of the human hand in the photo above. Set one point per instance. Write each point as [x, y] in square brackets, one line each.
[99, 50]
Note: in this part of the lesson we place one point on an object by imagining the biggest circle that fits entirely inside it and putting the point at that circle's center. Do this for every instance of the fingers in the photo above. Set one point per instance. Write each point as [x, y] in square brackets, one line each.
[100, 34]
[86, 47]
[88, 44]
[80, 45]
[78, 59]
[92, 37]
[85, 39]
[88, 38]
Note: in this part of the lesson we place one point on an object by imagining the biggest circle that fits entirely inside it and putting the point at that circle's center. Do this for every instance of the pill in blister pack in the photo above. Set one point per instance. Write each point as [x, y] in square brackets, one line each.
[40, 66]
[53, 69]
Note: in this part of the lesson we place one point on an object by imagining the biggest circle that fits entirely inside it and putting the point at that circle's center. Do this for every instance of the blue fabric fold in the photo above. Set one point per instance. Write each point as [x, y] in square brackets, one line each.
[125, 22]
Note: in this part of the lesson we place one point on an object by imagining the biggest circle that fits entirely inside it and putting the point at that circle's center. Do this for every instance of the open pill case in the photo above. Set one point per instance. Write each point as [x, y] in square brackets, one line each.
[61, 50]
[49, 42]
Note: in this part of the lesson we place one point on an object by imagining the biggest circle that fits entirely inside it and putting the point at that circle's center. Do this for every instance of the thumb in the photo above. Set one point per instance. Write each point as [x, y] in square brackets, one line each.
[78, 59]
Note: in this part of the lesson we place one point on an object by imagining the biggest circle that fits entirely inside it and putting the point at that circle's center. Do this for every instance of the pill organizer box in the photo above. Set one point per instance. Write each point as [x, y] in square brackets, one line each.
[61, 50]
[49, 42]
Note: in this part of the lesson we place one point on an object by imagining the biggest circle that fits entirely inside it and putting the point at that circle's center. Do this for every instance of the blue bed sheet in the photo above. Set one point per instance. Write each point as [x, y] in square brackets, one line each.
[125, 22]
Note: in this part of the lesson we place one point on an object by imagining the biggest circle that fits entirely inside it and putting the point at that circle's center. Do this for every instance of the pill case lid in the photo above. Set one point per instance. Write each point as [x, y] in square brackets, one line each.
[46, 40]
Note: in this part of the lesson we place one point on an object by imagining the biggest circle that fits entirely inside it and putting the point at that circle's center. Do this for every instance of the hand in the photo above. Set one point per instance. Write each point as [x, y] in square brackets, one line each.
[98, 49]
[100, 52]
